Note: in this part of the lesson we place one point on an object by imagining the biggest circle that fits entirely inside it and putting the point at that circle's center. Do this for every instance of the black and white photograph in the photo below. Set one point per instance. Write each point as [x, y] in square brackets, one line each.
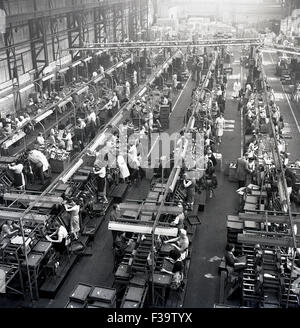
[149, 158]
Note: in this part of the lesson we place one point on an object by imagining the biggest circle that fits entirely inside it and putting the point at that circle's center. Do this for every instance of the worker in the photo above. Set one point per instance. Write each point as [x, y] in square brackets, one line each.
[100, 174]
[220, 124]
[74, 210]
[40, 139]
[8, 230]
[236, 89]
[68, 140]
[177, 270]
[189, 185]
[133, 161]
[124, 172]
[230, 259]
[242, 170]
[115, 103]
[52, 139]
[179, 220]
[114, 216]
[60, 241]
[180, 243]
[127, 89]
[39, 162]
[19, 180]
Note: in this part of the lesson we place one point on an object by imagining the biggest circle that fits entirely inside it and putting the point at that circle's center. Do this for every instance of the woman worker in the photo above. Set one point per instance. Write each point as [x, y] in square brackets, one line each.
[101, 181]
[19, 180]
[180, 243]
[74, 209]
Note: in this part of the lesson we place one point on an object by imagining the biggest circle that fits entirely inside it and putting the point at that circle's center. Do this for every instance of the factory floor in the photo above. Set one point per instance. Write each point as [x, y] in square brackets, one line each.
[210, 238]
[97, 269]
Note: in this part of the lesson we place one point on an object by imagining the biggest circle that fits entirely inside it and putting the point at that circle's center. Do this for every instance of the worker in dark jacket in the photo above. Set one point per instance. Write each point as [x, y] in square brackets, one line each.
[230, 259]
[114, 216]
[242, 170]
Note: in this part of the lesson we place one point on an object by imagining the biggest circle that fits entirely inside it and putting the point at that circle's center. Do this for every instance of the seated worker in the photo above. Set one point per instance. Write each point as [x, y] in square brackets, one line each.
[177, 270]
[179, 220]
[8, 230]
[60, 241]
[180, 243]
[120, 245]
[232, 262]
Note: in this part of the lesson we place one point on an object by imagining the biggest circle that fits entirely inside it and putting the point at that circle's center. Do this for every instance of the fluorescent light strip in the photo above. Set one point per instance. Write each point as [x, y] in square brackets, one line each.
[43, 116]
[120, 64]
[83, 90]
[142, 92]
[14, 139]
[63, 70]
[46, 78]
[63, 103]
[76, 64]
[98, 79]
[72, 171]
[87, 59]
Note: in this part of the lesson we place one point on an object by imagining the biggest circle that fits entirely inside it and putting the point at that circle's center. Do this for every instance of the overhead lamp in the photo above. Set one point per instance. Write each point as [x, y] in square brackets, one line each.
[142, 92]
[76, 64]
[14, 138]
[120, 65]
[85, 89]
[152, 81]
[63, 70]
[127, 60]
[98, 141]
[43, 116]
[87, 59]
[98, 79]
[48, 77]
[72, 171]
[143, 229]
[165, 66]
[63, 103]
[110, 71]
[98, 53]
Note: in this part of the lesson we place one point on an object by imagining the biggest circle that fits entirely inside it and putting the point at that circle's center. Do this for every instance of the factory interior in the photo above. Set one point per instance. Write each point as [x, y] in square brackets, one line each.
[149, 154]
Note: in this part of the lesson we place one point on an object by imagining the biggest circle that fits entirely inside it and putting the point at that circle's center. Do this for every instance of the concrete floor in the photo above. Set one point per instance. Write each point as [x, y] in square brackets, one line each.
[210, 238]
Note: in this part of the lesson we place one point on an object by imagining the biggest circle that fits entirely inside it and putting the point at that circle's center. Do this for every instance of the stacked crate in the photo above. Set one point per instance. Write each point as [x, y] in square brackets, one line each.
[102, 297]
[79, 296]
[133, 297]
[164, 116]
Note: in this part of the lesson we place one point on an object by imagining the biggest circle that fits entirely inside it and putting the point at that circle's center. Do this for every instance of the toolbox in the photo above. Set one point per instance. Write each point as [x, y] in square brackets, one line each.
[74, 305]
[134, 294]
[103, 294]
[80, 293]
[130, 305]
[42, 246]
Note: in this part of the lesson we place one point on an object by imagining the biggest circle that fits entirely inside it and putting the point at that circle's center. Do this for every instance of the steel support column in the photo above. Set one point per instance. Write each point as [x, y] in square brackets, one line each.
[100, 33]
[77, 32]
[13, 64]
[38, 42]
[118, 23]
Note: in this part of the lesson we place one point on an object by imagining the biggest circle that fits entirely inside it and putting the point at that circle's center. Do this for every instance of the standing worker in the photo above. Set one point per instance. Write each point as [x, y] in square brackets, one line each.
[74, 209]
[19, 180]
